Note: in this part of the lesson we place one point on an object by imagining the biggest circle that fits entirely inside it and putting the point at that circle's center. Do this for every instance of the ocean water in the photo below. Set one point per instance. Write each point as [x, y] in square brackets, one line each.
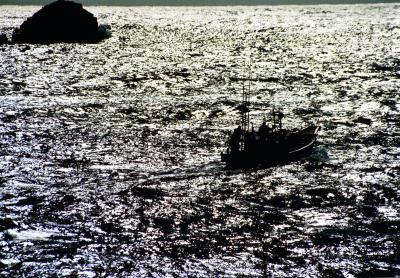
[110, 152]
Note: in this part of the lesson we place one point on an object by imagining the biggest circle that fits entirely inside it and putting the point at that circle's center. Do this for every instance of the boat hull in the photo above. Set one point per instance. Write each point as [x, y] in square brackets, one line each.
[297, 145]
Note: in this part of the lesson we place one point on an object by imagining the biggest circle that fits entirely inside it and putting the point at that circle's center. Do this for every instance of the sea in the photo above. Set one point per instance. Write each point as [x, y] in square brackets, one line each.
[110, 153]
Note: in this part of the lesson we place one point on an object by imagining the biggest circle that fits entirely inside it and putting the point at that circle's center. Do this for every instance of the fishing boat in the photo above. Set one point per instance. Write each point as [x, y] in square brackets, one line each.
[270, 144]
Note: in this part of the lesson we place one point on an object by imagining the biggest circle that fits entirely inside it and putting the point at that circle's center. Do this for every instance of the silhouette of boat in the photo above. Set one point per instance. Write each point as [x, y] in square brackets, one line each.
[269, 145]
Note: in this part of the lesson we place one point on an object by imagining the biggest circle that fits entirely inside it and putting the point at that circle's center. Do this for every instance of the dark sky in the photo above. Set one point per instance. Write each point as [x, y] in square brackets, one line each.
[199, 2]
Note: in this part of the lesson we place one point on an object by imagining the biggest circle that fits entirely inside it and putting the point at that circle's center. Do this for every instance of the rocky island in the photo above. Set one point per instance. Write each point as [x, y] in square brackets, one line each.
[60, 21]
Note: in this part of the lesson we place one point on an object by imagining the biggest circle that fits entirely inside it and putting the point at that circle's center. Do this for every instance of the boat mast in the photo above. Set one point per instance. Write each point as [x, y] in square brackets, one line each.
[248, 102]
[244, 108]
[244, 111]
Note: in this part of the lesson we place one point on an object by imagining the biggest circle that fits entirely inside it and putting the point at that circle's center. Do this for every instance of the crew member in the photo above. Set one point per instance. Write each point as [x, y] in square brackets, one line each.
[234, 141]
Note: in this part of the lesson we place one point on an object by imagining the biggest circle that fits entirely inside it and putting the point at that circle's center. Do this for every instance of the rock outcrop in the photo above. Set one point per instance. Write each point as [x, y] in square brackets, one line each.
[60, 21]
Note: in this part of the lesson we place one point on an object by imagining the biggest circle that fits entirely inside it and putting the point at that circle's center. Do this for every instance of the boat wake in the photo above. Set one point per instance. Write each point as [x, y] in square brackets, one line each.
[319, 154]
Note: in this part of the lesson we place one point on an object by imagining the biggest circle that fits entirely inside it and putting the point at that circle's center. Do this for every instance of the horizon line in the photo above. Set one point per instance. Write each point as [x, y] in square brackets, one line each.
[186, 3]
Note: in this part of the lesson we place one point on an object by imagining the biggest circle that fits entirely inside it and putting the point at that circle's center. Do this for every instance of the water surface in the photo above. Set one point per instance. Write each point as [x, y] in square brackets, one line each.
[109, 153]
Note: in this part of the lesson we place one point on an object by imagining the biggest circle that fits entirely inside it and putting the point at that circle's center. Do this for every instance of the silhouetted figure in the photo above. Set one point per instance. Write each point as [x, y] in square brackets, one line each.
[234, 141]
[264, 131]
[3, 39]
